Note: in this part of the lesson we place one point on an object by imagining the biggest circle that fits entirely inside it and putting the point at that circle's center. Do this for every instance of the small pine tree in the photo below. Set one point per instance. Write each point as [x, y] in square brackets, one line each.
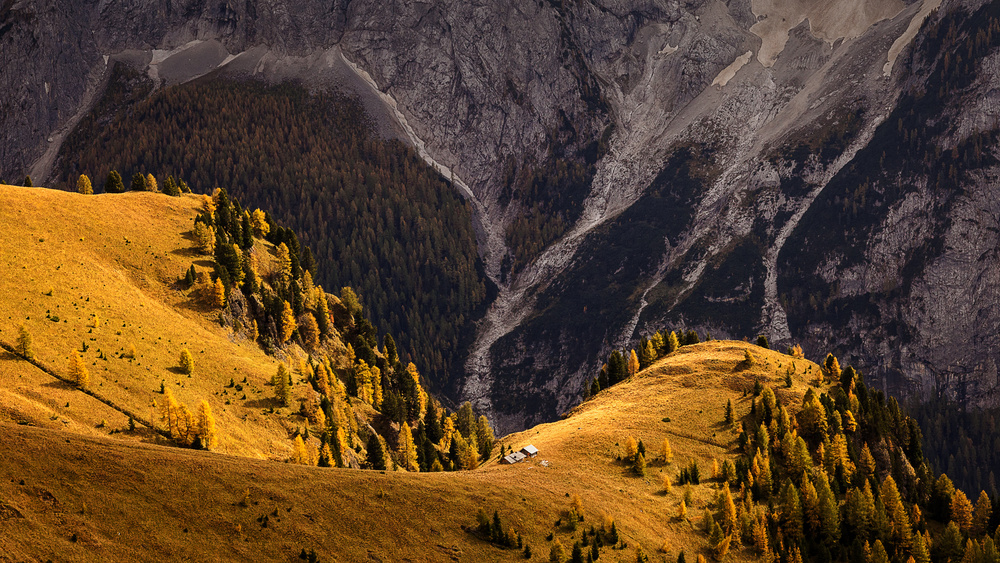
[206, 425]
[138, 183]
[639, 465]
[325, 456]
[309, 330]
[300, 455]
[205, 237]
[631, 448]
[259, 222]
[375, 453]
[982, 513]
[673, 343]
[78, 370]
[186, 362]
[288, 324]
[171, 188]
[218, 294]
[407, 448]
[27, 182]
[666, 452]
[832, 367]
[281, 385]
[114, 184]
[961, 511]
[557, 554]
[24, 347]
[633, 363]
[762, 342]
[83, 185]
[730, 416]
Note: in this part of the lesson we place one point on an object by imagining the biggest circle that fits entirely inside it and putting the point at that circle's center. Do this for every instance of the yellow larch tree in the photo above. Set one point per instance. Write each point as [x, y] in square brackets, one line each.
[151, 185]
[204, 235]
[961, 511]
[631, 447]
[284, 259]
[411, 370]
[259, 223]
[83, 185]
[447, 430]
[169, 411]
[633, 363]
[218, 294]
[407, 449]
[78, 370]
[666, 452]
[363, 379]
[299, 454]
[189, 431]
[186, 362]
[206, 425]
[309, 329]
[288, 324]
[308, 291]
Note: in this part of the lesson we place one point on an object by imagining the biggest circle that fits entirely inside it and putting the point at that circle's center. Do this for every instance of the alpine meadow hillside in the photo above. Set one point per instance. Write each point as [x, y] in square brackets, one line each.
[717, 450]
[177, 322]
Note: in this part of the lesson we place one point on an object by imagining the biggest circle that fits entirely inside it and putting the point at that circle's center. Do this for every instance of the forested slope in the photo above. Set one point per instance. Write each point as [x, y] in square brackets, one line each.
[374, 215]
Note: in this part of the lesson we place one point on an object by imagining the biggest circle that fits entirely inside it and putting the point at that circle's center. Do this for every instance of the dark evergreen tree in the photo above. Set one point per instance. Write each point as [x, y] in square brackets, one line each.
[114, 184]
[390, 350]
[762, 341]
[138, 182]
[376, 454]
[27, 182]
[308, 262]
[433, 423]
[691, 337]
[171, 188]
[617, 368]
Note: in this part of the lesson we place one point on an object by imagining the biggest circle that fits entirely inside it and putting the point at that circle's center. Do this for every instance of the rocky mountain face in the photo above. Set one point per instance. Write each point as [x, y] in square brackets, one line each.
[820, 172]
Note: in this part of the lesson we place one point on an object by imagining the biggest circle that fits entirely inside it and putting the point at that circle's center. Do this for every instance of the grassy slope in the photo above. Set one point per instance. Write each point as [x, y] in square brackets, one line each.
[78, 482]
[348, 515]
[119, 256]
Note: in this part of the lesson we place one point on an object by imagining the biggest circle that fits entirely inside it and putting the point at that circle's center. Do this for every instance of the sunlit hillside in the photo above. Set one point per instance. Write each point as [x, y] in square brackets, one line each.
[68, 259]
